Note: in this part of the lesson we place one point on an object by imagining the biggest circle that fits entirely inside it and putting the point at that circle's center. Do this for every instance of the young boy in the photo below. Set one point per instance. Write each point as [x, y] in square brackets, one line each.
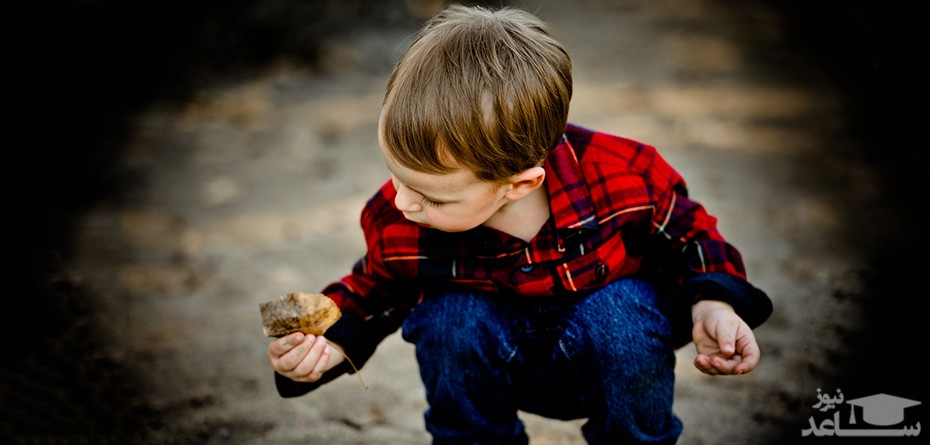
[535, 265]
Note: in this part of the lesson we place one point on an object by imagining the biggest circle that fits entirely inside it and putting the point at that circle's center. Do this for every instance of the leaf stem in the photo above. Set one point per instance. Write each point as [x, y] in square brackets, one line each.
[357, 372]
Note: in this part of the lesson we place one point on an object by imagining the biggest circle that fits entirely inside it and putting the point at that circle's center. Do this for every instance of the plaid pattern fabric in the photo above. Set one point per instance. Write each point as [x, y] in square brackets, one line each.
[617, 209]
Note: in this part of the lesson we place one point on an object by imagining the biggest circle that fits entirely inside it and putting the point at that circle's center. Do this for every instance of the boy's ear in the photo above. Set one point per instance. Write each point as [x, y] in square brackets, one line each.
[521, 184]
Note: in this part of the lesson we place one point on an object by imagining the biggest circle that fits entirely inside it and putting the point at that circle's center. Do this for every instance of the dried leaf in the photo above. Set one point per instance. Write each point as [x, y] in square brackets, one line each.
[298, 311]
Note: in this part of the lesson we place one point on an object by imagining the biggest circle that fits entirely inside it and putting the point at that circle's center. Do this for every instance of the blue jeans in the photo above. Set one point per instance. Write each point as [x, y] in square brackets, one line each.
[607, 357]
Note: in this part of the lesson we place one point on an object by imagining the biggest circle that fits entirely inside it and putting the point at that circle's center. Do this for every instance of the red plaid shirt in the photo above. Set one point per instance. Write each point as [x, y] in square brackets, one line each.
[617, 210]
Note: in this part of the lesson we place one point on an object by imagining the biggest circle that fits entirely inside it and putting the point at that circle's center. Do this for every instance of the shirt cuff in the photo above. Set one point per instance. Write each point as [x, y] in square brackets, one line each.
[749, 302]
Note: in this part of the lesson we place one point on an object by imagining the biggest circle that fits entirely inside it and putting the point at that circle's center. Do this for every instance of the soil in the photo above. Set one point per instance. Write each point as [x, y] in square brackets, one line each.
[200, 161]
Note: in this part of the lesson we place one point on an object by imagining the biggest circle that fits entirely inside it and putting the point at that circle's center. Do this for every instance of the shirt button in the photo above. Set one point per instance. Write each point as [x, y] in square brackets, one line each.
[526, 268]
[601, 271]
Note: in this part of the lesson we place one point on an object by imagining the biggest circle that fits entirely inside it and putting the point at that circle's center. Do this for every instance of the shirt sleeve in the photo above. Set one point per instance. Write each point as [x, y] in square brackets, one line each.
[691, 256]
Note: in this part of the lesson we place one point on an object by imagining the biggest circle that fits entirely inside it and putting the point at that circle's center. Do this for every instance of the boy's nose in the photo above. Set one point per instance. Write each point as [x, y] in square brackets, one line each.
[412, 208]
[405, 202]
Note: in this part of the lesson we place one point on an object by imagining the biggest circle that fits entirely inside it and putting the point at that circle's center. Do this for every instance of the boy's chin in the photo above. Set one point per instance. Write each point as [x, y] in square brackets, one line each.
[426, 225]
[444, 229]
[422, 224]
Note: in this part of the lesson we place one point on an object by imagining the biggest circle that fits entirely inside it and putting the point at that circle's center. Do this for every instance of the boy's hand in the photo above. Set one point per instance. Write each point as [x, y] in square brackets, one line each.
[725, 343]
[302, 357]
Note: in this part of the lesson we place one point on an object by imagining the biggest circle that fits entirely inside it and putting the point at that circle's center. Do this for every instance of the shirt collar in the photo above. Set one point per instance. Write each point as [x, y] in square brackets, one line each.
[569, 198]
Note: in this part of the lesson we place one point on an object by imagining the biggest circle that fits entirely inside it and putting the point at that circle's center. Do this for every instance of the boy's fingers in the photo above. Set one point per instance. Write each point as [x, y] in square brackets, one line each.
[743, 367]
[726, 338]
[751, 354]
[291, 361]
[322, 362]
[280, 346]
[726, 365]
[310, 361]
[702, 363]
[726, 347]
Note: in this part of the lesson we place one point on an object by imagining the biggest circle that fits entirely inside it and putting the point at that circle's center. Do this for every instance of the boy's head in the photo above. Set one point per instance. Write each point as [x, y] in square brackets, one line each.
[486, 90]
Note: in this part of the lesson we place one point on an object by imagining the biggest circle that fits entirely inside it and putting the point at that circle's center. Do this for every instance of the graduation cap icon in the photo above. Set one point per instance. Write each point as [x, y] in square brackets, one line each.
[880, 409]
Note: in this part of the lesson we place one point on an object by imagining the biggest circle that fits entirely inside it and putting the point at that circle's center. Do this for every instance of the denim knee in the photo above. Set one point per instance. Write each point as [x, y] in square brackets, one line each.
[457, 323]
[621, 319]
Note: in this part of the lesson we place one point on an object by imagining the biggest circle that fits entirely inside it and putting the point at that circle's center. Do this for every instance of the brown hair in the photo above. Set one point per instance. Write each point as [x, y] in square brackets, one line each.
[483, 89]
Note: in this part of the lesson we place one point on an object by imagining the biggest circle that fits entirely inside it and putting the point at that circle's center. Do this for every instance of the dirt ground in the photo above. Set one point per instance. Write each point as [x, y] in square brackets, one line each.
[250, 186]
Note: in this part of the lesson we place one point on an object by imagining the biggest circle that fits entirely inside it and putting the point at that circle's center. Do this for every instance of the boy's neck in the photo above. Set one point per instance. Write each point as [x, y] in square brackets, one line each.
[524, 217]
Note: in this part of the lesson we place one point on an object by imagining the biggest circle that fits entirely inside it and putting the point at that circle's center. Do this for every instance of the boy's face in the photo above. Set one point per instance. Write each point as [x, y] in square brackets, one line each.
[451, 202]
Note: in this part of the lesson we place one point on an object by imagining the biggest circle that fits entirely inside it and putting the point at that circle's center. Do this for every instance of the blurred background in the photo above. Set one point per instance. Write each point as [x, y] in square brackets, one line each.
[176, 163]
